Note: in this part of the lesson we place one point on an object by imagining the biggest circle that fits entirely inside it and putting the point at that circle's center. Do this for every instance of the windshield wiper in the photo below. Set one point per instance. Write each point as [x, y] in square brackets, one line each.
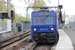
[40, 18]
[46, 17]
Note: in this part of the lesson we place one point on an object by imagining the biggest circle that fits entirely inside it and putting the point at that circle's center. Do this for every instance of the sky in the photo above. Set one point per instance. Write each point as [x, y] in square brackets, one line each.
[68, 6]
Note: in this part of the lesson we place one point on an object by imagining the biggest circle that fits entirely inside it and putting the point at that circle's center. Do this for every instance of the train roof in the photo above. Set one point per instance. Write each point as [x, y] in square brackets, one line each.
[43, 10]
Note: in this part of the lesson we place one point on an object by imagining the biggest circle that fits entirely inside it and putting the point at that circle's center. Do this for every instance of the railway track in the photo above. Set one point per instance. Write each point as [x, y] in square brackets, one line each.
[35, 46]
[42, 47]
[8, 41]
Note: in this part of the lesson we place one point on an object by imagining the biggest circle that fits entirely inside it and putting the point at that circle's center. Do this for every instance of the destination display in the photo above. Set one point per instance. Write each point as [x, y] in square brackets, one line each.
[43, 13]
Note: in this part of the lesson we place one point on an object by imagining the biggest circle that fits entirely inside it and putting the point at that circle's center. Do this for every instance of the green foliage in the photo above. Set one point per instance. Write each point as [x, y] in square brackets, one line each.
[21, 18]
[57, 10]
[29, 19]
[57, 15]
[3, 6]
[17, 18]
[3, 21]
[39, 3]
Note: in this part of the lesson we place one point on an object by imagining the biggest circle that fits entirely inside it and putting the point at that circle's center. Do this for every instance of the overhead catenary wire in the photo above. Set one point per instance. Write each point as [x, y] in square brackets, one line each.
[21, 1]
[19, 8]
[25, 2]
[49, 1]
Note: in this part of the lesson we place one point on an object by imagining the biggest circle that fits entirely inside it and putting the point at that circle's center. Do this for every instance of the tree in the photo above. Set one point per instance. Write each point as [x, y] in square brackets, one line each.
[57, 13]
[39, 3]
[57, 10]
[3, 9]
[3, 6]
[16, 18]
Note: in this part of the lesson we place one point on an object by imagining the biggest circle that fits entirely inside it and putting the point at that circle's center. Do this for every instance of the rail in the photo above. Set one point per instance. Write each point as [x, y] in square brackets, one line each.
[13, 39]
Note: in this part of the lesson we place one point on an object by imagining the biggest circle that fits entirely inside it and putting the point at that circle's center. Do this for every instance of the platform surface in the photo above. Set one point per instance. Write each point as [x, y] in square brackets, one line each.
[64, 42]
[71, 34]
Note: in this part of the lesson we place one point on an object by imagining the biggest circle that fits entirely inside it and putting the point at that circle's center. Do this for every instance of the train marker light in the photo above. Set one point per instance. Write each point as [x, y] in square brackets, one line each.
[52, 28]
[46, 29]
[40, 29]
[34, 29]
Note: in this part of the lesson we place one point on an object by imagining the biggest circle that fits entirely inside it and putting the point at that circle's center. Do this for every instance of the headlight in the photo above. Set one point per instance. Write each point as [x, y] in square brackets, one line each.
[34, 29]
[52, 28]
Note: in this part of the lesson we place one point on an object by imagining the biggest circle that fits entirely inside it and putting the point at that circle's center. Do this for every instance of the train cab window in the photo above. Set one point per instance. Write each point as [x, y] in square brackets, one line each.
[48, 20]
[38, 20]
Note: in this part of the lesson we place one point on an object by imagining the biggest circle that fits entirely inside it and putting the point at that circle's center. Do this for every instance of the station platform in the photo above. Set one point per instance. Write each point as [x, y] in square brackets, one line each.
[71, 34]
[64, 42]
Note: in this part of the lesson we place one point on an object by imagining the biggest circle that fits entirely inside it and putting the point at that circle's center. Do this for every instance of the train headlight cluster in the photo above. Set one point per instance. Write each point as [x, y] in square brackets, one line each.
[52, 28]
[34, 29]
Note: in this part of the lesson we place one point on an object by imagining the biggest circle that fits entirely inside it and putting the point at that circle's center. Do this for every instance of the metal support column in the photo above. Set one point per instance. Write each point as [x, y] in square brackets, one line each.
[8, 29]
[35, 3]
[27, 17]
[8, 1]
[58, 3]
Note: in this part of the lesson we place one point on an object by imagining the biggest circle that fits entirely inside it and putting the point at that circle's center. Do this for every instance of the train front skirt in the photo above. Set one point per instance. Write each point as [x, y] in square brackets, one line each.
[45, 37]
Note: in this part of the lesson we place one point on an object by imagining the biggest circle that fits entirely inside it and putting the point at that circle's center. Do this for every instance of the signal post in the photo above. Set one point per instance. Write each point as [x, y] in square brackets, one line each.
[60, 20]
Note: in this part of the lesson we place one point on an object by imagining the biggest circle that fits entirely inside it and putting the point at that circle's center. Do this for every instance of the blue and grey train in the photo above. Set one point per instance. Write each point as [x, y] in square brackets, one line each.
[44, 26]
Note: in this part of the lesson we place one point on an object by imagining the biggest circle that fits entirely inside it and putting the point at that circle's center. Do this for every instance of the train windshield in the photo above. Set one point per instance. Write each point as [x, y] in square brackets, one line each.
[38, 20]
[48, 20]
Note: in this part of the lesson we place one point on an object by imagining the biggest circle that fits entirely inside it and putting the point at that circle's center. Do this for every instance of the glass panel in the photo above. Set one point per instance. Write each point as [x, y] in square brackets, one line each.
[38, 20]
[48, 20]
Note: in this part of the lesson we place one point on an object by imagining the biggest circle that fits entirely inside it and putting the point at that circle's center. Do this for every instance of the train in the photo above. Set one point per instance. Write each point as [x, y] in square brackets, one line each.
[44, 26]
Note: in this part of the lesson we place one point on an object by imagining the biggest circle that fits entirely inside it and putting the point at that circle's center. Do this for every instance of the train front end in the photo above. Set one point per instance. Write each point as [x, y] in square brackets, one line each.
[43, 26]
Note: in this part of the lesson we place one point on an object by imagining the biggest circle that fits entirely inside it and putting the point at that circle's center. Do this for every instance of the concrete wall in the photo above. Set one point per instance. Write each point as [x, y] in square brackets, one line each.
[6, 34]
